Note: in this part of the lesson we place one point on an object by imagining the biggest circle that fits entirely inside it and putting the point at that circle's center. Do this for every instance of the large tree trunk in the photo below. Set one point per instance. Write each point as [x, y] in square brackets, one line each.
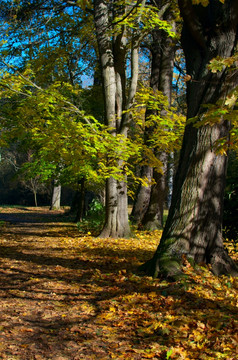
[194, 224]
[113, 56]
[112, 59]
[116, 225]
[56, 195]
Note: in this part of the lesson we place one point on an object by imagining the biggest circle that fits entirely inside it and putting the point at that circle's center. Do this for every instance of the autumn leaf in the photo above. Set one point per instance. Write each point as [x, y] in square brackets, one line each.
[78, 295]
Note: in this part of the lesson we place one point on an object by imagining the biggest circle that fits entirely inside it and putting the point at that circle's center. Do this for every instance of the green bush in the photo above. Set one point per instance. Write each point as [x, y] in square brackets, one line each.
[94, 220]
[230, 215]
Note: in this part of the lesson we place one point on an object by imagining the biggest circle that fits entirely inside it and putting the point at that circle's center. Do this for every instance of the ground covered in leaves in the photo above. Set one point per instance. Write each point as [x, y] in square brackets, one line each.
[69, 296]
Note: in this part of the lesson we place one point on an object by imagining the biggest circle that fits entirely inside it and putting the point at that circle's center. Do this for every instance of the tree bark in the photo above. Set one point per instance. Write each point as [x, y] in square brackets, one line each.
[153, 217]
[142, 197]
[35, 198]
[194, 225]
[81, 202]
[163, 51]
[113, 60]
[56, 194]
[118, 100]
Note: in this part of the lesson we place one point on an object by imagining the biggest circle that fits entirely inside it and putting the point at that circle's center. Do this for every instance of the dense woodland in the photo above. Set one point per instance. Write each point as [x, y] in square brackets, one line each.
[117, 104]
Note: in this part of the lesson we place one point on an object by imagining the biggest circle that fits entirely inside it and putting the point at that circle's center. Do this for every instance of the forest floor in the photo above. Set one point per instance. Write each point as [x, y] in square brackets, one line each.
[65, 295]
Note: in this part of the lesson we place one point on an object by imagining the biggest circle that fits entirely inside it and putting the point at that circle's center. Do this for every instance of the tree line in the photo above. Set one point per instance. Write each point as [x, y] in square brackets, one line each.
[122, 136]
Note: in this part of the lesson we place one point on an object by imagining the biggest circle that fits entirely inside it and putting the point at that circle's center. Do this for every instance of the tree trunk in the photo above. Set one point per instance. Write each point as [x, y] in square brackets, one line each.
[163, 50]
[142, 197]
[170, 177]
[113, 55]
[81, 202]
[35, 198]
[55, 201]
[112, 59]
[194, 224]
[153, 218]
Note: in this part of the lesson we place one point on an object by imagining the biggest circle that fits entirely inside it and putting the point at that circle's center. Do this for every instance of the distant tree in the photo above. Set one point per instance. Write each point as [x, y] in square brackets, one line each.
[56, 196]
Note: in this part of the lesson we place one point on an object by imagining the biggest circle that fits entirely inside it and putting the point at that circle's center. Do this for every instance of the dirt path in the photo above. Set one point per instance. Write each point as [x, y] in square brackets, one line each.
[54, 290]
[66, 296]
[38, 287]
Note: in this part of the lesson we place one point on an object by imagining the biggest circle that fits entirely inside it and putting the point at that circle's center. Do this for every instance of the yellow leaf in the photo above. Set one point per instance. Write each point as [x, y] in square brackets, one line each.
[231, 100]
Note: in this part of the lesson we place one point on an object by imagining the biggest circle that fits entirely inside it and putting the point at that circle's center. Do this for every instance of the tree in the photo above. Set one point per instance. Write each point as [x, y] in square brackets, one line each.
[120, 27]
[52, 58]
[161, 128]
[53, 49]
[149, 204]
[56, 196]
[113, 51]
[163, 51]
[194, 225]
[30, 178]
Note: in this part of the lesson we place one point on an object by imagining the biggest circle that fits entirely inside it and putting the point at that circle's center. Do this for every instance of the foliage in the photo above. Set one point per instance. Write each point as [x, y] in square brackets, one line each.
[96, 208]
[94, 219]
[67, 143]
[145, 17]
[79, 296]
[164, 124]
[204, 2]
[230, 224]
[218, 63]
[214, 114]
[58, 46]
[47, 114]
[224, 109]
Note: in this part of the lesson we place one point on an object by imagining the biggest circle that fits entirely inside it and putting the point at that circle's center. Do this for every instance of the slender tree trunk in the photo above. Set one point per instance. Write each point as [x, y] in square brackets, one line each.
[163, 50]
[153, 218]
[194, 224]
[35, 198]
[81, 202]
[34, 190]
[170, 177]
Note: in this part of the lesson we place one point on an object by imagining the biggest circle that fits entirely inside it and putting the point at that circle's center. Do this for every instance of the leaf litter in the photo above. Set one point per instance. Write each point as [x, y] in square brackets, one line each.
[70, 296]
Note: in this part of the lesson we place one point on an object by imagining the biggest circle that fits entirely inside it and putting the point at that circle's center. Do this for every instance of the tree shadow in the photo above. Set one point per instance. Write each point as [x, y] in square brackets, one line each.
[31, 215]
[90, 302]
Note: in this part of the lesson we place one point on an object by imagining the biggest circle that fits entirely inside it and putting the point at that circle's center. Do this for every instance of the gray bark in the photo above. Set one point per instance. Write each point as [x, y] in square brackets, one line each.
[112, 51]
[170, 177]
[142, 197]
[194, 224]
[56, 195]
[35, 198]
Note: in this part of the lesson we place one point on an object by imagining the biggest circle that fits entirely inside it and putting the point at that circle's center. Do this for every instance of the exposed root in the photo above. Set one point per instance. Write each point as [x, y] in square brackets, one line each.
[222, 264]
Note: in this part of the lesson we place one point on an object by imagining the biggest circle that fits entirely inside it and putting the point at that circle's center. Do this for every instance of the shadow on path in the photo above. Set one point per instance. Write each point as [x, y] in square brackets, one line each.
[33, 215]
